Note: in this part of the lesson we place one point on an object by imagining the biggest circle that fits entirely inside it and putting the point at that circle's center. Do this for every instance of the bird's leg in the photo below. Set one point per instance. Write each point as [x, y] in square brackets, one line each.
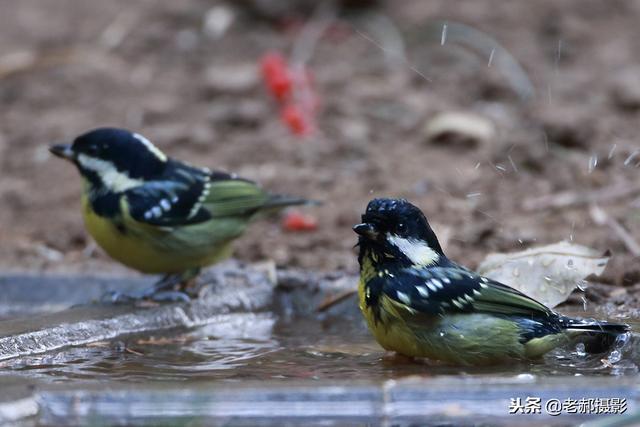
[170, 288]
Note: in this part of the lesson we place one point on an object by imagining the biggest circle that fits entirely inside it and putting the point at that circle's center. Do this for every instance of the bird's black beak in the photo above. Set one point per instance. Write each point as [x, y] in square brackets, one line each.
[63, 151]
[366, 230]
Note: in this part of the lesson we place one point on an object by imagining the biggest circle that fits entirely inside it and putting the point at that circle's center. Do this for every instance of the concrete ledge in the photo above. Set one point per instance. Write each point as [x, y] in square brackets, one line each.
[17, 400]
[414, 401]
[227, 288]
[245, 290]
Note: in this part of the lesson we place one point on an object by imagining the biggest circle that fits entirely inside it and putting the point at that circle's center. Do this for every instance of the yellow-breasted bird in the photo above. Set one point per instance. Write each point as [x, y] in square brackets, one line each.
[419, 303]
[159, 215]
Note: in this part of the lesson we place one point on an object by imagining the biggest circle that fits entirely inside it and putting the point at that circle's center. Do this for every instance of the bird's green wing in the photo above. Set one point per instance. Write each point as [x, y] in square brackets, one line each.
[188, 195]
[453, 289]
[234, 197]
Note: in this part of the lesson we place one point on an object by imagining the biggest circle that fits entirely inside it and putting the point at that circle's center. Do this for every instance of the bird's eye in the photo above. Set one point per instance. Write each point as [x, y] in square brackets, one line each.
[402, 227]
[93, 149]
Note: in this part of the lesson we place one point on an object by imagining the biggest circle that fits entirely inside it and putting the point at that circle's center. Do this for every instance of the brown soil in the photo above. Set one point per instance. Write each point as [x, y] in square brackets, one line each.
[68, 66]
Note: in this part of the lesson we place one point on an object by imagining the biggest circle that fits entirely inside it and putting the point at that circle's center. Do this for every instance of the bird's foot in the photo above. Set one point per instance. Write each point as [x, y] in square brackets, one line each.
[171, 288]
[150, 296]
[169, 296]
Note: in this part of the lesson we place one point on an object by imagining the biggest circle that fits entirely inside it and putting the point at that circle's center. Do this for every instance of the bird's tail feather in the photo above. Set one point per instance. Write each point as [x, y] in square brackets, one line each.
[279, 201]
[586, 325]
[597, 336]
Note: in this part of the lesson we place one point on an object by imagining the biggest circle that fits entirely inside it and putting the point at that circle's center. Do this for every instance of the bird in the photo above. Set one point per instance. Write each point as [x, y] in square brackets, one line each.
[419, 303]
[159, 215]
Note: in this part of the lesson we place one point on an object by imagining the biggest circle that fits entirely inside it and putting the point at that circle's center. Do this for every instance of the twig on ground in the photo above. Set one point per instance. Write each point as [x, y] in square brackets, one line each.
[332, 300]
[99, 344]
[572, 198]
[600, 217]
[129, 350]
[305, 45]
[25, 61]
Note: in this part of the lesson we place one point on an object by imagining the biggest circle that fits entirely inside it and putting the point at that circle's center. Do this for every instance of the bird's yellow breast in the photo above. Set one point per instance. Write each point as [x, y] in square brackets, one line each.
[388, 329]
[153, 250]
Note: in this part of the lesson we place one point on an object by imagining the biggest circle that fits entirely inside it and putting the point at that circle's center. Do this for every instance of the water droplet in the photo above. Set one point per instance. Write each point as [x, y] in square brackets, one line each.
[593, 162]
[570, 264]
[613, 150]
[629, 159]
[493, 52]
[580, 350]
[443, 37]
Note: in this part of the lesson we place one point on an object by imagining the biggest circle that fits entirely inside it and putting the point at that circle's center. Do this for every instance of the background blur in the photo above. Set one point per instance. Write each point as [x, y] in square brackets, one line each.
[188, 76]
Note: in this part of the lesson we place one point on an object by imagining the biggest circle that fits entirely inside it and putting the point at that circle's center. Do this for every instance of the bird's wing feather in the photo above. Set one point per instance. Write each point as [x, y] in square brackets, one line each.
[234, 197]
[188, 195]
[166, 203]
[453, 289]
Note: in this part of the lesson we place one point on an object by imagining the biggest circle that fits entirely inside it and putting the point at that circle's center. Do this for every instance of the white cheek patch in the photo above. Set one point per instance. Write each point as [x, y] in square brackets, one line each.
[416, 250]
[111, 178]
[152, 148]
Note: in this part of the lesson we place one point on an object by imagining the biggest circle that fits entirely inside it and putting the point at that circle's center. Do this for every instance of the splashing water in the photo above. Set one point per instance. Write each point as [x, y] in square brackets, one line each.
[493, 51]
[593, 162]
[570, 266]
[443, 37]
[622, 340]
[614, 357]
[632, 156]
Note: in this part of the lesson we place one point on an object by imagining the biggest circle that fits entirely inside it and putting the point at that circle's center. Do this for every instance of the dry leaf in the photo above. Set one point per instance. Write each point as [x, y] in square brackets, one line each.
[549, 273]
[465, 129]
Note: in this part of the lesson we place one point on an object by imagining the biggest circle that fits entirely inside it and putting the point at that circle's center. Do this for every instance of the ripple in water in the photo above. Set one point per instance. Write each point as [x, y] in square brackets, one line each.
[257, 347]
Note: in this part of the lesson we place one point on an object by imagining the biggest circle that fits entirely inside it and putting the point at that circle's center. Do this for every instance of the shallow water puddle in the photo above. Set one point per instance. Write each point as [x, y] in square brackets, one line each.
[259, 347]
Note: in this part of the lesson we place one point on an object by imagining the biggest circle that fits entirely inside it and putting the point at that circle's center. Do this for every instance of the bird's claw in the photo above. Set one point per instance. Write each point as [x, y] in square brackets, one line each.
[116, 297]
[169, 296]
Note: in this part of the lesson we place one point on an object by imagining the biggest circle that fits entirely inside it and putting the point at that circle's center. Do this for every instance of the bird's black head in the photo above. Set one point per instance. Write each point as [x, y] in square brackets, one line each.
[113, 158]
[394, 229]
